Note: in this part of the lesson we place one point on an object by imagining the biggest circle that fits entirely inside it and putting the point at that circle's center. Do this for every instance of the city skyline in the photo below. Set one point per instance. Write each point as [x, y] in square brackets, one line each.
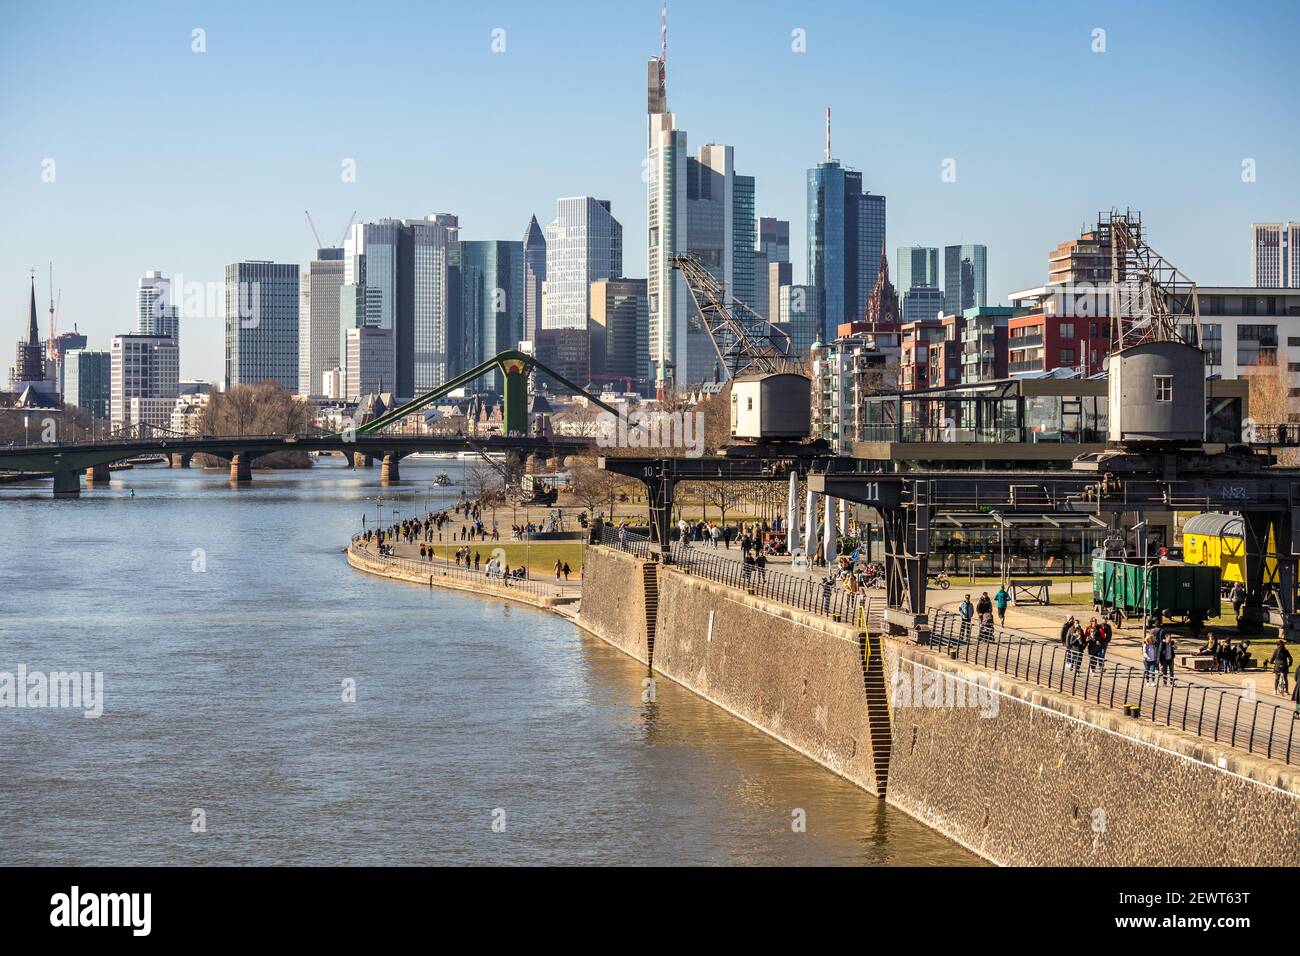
[186, 210]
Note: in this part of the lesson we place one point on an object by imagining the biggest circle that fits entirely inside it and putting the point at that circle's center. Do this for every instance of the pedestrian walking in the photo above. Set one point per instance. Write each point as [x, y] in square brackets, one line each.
[1281, 661]
[965, 610]
[1002, 599]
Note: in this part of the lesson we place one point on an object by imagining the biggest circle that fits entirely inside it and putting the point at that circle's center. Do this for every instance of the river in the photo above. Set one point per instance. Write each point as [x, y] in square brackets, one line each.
[228, 627]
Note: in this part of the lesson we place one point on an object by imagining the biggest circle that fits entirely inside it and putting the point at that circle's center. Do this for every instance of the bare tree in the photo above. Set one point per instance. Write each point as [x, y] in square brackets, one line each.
[1269, 400]
[262, 408]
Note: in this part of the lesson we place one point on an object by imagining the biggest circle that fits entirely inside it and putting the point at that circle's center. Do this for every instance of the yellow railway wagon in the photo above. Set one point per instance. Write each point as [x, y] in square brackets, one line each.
[1218, 540]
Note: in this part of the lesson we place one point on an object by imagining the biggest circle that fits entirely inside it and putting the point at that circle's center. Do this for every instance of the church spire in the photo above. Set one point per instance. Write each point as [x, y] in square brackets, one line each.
[33, 330]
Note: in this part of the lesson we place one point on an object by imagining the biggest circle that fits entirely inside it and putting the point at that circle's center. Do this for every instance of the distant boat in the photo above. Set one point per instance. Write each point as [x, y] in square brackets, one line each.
[432, 454]
[441, 480]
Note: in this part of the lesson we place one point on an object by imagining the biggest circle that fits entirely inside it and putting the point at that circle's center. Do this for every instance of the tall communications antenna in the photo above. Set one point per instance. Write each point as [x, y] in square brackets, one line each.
[828, 134]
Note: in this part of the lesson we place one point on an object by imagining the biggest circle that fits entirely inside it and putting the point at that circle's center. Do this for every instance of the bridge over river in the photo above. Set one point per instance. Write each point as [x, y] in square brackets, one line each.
[66, 462]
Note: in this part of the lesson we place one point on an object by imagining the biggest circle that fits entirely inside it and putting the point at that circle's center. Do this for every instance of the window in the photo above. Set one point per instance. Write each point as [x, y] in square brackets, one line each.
[1067, 330]
[1256, 344]
[1067, 356]
[1164, 388]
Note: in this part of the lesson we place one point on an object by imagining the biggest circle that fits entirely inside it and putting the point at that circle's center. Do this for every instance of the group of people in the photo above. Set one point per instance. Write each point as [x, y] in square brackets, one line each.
[749, 535]
[1228, 656]
[983, 609]
[1092, 639]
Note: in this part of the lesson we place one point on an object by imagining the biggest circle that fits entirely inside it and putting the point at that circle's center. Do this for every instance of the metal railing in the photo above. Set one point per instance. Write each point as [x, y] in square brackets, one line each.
[1226, 716]
[815, 594]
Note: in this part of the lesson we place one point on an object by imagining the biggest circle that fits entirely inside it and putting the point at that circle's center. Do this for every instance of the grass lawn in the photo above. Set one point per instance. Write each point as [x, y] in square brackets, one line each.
[541, 555]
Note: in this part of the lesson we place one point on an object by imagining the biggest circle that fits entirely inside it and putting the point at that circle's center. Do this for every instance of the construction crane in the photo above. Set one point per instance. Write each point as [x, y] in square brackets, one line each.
[741, 337]
[1151, 299]
[311, 222]
[348, 228]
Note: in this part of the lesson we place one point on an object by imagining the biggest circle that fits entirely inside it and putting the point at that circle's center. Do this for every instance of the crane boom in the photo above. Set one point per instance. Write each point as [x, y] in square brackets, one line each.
[740, 336]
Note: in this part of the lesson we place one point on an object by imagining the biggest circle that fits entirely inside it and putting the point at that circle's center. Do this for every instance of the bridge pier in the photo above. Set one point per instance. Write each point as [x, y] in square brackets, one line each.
[98, 475]
[179, 460]
[390, 473]
[241, 468]
[67, 483]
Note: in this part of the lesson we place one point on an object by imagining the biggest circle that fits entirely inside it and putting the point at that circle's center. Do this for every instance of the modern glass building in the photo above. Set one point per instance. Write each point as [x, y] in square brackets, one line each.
[492, 300]
[155, 307]
[534, 275]
[918, 266]
[88, 376]
[618, 332]
[774, 238]
[922, 303]
[318, 320]
[846, 239]
[584, 243]
[965, 278]
[262, 300]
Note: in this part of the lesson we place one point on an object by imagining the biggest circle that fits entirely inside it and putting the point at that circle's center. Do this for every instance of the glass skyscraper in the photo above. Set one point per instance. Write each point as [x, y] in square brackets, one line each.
[492, 300]
[965, 280]
[918, 266]
[261, 323]
[846, 238]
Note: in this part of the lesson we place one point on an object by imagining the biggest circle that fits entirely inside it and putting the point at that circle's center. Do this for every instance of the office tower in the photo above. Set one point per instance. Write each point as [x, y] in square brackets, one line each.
[87, 381]
[761, 301]
[918, 266]
[492, 280]
[774, 238]
[846, 233]
[145, 374]
[156, 310]
[262, 323]
[799, 311]
[1275, 255]
[403, 275]
[965, 278]
[922, 303]
[318, 320]
[583, 244]
[780, 275]
[534, 276]
[619, 331]
[371, 358]
[699, 206]
[29, 361]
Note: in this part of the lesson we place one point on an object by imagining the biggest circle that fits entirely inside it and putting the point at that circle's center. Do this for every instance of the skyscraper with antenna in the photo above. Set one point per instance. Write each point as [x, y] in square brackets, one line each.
[699, 205]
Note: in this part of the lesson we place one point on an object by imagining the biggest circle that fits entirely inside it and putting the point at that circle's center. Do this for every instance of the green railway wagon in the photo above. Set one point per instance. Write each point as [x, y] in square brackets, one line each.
[1166, 591]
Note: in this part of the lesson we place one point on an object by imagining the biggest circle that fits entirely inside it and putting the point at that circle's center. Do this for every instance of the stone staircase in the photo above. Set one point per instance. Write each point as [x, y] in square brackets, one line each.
[877, 692]
[650, 577]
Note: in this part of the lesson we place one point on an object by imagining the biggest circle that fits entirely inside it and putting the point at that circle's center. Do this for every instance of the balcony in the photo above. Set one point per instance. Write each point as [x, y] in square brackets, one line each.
[1025, 341]
[1028, 365]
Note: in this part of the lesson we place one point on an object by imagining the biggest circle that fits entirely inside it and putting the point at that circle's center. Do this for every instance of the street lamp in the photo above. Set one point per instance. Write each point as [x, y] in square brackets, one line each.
[1146, 577]
[1002, 547]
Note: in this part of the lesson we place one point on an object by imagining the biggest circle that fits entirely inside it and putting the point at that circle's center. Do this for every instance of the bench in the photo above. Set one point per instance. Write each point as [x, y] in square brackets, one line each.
[1031, 590]
[1197, 662]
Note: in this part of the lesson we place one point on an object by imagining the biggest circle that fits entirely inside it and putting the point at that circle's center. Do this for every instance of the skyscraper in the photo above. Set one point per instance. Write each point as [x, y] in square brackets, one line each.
[584, 244]
[618, 331]
[534, 276]
[87, 378]
[1275, 255]
[155, 307]
[846, 233]
[318, 320]
[145, 374]
[774, 238]
[965, 278]
[262, 323]
[402, 275]
[492, 276]
[699, 206]
[918, 266]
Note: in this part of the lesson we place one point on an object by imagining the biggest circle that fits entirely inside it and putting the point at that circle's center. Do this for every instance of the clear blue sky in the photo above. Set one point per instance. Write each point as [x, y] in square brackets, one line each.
[167, 159]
